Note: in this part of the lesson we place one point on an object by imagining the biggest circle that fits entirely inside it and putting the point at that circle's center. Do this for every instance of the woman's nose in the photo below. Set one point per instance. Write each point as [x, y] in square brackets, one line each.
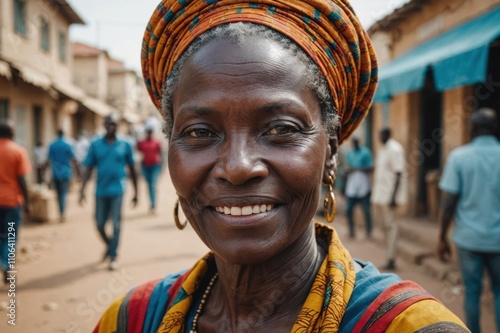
[239, 162]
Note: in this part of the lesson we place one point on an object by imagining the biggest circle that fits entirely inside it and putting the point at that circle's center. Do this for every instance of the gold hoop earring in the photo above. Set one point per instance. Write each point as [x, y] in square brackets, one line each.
[178, 223]
[329, 205]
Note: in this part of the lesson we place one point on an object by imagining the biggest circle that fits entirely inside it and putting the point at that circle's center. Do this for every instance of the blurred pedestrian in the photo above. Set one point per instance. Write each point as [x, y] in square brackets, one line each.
[40, 160]
[61, 156]
[14, 167]
[387, 192]
[359, 165]
[253, 132]
[151, 164]
[82, 145]
[109, 155]
[471, 192]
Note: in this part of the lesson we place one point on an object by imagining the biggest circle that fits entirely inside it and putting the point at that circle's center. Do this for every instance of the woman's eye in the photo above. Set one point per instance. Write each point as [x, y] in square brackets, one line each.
[200, 133]
[282, 129]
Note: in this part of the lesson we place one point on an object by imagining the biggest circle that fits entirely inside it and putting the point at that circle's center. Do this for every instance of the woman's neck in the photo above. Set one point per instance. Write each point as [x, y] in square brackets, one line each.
[255, 298]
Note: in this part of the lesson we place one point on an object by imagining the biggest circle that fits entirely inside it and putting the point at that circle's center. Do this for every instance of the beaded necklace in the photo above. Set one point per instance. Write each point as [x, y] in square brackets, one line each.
[202, 303]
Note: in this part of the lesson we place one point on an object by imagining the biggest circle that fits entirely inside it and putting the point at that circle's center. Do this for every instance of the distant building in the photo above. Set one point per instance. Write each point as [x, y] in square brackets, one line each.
[35, 62]
[439, 62]
[110, 82]
[125, 92]
[36, 87]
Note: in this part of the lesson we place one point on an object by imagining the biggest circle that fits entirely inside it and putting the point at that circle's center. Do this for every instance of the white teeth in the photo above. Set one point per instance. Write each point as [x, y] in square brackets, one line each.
[246, 210]
[236, 211]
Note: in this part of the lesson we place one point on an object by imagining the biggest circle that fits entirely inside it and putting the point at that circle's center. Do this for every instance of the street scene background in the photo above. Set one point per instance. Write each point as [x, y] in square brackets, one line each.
[67, 65]
[63, 287]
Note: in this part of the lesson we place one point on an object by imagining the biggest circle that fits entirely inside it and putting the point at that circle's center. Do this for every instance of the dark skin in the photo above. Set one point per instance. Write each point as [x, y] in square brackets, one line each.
[448, 207]
[110, 137]
[247, 131]
[384, 137]
[24, 190]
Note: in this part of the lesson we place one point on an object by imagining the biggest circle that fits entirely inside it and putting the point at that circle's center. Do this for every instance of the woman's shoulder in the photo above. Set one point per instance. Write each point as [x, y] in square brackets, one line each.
[141, 307]
[384, 303]
[370, 283]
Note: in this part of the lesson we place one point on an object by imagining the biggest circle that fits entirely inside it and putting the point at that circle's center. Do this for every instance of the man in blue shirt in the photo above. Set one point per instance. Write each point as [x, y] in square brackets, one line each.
[359, 165]
[471, 192]
[60, 157]
[109, 155]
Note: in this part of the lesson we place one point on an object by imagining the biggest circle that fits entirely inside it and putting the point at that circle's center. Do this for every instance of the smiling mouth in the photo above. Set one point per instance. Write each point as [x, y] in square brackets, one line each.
[244, 211]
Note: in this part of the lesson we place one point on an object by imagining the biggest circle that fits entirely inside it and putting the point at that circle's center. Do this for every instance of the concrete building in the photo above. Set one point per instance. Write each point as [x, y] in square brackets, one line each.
[90, 74]
[124, 91]
[439, 63]
[36, 89]
[110, 82]
[35, 61]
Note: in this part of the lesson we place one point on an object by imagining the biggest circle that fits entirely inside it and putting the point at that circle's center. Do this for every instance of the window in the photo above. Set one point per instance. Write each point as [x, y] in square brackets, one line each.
[20, 17]
[20, 125]
[62, 46]
[37, 124]
[44, 35]
[4, 110]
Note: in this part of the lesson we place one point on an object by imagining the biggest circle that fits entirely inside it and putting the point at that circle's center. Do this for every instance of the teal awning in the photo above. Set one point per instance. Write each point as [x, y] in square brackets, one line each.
[458, 57]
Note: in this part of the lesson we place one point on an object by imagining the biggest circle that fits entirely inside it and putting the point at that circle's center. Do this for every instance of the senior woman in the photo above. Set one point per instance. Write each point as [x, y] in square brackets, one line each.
[256, 96]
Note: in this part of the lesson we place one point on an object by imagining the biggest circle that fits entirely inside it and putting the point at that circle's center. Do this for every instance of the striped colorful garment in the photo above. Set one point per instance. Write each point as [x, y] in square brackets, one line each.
[327, 30]
[340, 300]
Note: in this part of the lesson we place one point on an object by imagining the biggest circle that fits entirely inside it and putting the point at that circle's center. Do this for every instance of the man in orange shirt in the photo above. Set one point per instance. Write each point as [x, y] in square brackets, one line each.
[13, 169]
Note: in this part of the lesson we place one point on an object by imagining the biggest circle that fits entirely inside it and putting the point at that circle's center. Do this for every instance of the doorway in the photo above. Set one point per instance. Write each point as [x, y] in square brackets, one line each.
[4, 110]
[37, 124]
[490, 90]
[431, 119]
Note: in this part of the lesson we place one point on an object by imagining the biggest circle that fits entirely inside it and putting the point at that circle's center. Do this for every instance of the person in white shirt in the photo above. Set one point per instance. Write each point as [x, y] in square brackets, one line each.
[81, 148]
[41, 153]
[387, 189]
[359, 165]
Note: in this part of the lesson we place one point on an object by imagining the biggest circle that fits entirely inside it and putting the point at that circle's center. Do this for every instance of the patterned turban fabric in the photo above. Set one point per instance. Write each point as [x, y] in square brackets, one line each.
[327, 30]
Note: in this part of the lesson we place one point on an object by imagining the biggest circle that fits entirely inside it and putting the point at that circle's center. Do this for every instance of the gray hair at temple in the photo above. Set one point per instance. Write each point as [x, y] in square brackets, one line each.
[238, 33]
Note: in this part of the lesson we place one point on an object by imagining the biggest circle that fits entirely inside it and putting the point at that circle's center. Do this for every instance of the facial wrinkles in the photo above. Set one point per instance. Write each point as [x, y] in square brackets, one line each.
[276, 63]
[233, 89]
[246, 153]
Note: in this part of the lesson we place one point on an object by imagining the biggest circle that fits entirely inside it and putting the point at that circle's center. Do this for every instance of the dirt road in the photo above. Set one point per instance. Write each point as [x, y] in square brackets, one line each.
[62, 287]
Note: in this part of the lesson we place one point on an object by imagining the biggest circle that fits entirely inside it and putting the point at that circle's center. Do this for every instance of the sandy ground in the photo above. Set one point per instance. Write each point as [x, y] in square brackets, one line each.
[62, 287]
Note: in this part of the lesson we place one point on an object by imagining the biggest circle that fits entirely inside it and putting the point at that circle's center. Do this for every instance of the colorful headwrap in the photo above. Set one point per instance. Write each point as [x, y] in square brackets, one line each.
[327, 30]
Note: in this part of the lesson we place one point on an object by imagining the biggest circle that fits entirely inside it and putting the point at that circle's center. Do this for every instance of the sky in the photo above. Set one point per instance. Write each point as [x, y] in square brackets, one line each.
[117, 26]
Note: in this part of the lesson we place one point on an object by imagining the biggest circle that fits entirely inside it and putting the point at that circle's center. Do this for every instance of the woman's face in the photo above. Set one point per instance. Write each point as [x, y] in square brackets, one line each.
[248, 148]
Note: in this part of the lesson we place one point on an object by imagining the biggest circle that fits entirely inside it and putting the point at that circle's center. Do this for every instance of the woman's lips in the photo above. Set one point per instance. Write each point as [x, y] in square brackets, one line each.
[245, 210]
